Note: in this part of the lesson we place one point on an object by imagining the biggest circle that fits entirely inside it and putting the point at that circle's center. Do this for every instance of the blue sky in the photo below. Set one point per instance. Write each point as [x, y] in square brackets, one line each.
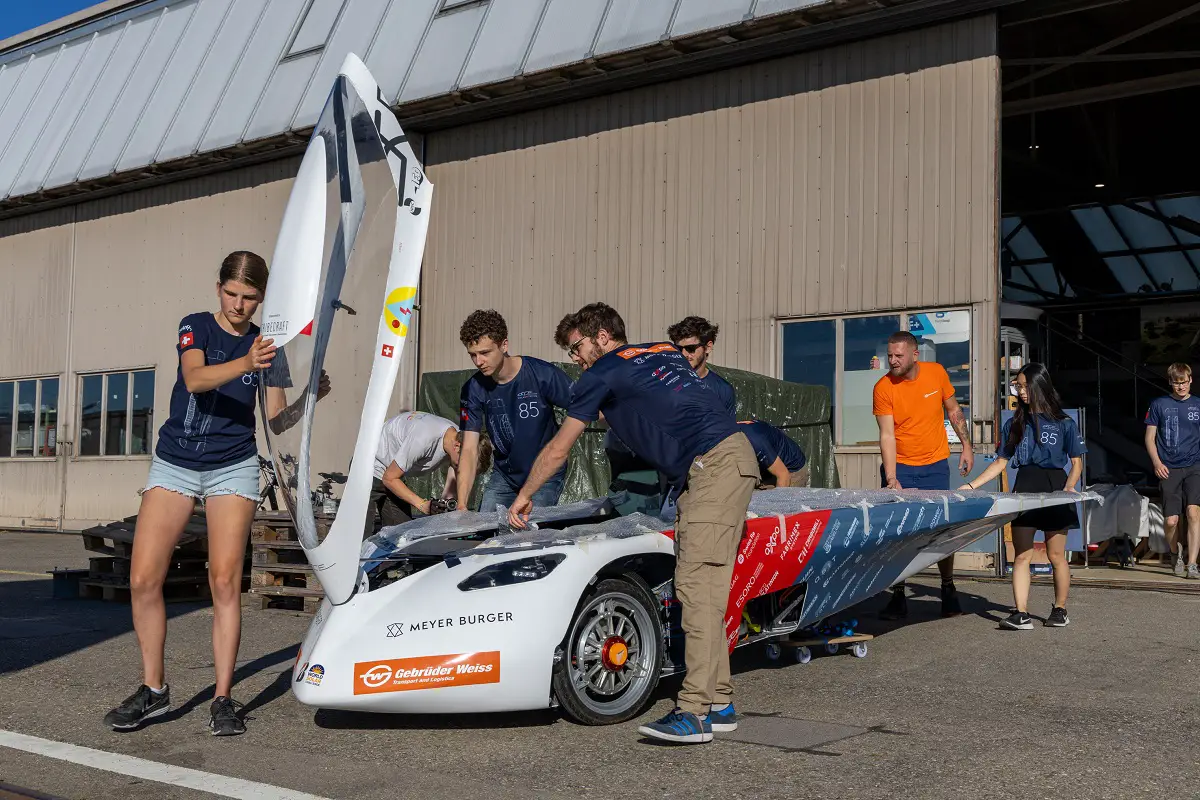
[21, 15]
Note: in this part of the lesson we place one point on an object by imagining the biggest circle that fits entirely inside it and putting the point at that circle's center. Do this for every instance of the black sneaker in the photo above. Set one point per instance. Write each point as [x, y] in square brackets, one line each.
[1017, 621]
[950, 605]
[897, 607]
[142, 705]
[225, 720]
[1057, 618]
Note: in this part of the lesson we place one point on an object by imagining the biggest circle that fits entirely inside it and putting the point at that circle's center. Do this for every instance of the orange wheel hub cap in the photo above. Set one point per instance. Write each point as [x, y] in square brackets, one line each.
[614, 653]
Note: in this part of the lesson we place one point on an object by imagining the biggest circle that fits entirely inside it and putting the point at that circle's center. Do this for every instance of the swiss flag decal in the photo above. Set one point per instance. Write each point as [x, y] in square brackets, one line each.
[387, 351]
[186, 340]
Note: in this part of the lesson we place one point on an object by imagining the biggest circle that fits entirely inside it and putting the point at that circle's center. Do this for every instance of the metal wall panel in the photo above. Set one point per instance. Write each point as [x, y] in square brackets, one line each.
[355, 32]
[699, 15]
[317, 25]
[566, 34]
[30, 134]
[31, 493]
[503, 40]
[35, 270]
[443, 52]
[396, 43]
[279, 100]
[250, 79]
[66, 115]
[97, 106]
[9, 73]
[135, 92]
[28, 83]
[633, 23]
[854, 179]
[764, 8]
[212, 79]
[174, 85]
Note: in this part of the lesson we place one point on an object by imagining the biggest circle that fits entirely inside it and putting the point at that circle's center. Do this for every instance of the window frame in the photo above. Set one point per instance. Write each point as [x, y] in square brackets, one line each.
[11, 456]
[839, 341]
[103, 375]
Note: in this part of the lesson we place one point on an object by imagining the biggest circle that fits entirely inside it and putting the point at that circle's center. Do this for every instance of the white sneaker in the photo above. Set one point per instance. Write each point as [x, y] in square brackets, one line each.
[1180, 569]
[1193, 572]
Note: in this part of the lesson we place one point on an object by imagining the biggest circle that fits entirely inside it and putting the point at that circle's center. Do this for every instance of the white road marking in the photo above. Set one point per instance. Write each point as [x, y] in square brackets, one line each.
[170, 774]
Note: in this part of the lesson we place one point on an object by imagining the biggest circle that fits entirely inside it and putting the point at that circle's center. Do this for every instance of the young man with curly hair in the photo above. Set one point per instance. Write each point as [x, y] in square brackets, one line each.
[695, 336]
[650, 396]
[515, 397]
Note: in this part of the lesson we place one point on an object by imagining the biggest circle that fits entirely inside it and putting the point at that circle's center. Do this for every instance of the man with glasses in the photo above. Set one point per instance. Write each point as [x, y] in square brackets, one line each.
[1173, 442]
[695, 336]
[652, 399]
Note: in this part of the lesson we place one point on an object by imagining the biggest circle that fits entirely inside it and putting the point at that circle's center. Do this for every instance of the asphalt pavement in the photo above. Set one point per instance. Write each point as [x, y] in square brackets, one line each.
[1106, 708]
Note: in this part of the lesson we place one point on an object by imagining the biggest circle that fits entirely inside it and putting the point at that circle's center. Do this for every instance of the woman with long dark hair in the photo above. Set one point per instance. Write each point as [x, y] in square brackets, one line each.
[1039, 441]
[206, 451]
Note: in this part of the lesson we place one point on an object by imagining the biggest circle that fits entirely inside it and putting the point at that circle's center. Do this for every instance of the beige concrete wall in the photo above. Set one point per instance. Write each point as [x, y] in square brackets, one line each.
[854, 179]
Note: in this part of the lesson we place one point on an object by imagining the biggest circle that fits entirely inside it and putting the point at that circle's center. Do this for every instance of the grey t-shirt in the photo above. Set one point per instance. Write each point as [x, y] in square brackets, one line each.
[414, 441]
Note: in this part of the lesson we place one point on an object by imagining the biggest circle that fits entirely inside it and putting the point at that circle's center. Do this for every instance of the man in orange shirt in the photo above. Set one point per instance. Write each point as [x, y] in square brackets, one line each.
[910, 403]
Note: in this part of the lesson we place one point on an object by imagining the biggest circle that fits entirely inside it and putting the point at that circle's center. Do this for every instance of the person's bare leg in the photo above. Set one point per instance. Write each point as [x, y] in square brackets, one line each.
[1171, 534]
[1022, 539]
[229, 520]
[946, 567]
[161, 519]
[1056, 550]
[1193, 533]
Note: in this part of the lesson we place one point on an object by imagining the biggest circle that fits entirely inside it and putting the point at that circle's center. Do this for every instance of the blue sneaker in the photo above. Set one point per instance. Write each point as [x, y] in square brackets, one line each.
[723, 720]
[681, 727]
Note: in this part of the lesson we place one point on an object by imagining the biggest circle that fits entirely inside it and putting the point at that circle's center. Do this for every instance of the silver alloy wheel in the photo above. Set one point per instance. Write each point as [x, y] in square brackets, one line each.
[612, 650]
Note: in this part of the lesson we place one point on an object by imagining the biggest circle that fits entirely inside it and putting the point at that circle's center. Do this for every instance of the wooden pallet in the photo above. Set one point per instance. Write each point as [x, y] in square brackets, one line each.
[179, 591]
[279, 571]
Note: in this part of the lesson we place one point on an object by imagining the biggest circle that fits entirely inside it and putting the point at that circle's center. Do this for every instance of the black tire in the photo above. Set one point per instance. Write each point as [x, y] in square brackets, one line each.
[614, 606]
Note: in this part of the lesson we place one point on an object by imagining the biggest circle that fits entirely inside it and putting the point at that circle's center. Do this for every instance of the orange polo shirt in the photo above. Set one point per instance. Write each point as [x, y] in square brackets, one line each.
[916, 408]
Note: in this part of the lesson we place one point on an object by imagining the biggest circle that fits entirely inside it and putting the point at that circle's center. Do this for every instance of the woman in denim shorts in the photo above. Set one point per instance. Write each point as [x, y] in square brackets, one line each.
[206, 451]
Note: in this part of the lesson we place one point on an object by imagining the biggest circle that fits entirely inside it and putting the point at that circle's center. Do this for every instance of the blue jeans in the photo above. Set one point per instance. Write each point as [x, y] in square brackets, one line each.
[500, 492]
[926, 476]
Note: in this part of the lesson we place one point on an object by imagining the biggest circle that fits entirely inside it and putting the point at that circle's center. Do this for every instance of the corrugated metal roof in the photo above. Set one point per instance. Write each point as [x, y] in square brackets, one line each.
[156, 81]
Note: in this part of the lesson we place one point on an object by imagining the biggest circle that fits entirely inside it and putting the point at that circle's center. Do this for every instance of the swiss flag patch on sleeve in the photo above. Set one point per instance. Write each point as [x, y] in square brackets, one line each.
[186, 339]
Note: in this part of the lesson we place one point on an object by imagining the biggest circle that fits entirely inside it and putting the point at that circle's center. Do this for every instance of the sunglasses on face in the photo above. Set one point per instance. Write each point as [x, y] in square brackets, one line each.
[690, 348]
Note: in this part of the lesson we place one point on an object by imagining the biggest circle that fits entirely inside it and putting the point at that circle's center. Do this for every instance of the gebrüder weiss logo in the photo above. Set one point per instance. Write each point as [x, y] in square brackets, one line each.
[426, 672]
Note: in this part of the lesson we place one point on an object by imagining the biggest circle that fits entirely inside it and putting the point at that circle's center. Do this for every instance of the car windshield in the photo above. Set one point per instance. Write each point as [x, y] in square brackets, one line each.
[327, 315]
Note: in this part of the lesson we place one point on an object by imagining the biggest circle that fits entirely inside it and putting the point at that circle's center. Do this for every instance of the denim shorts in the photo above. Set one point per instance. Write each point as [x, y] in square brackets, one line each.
[500, 492]
[241, 479]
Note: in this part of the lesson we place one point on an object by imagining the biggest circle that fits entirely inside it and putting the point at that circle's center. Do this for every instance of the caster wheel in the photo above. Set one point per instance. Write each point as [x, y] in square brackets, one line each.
[803, 655]
[831, 648]
[859, 650]
[774, 651]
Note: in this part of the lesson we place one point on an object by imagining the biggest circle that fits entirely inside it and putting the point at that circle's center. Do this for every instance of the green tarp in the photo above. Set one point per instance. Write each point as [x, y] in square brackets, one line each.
[802, 411]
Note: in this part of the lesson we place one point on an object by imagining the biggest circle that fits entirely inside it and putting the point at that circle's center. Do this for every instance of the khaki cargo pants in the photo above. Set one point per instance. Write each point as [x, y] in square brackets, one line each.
[708, 531]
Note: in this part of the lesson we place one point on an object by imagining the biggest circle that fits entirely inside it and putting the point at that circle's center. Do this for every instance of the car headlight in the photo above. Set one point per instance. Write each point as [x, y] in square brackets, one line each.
[521, 570]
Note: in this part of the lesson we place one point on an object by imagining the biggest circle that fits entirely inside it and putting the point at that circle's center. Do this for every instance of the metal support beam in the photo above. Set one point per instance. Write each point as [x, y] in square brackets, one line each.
[1110, 58]
[1099, 94]
[1109, 45]
[1044, 11]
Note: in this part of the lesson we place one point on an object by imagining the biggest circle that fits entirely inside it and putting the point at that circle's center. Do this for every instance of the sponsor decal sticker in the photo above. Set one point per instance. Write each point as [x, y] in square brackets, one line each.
[387, 351]
[315, 673]
[397, 309]
[426, 672]
[395, 630]
[186, 339]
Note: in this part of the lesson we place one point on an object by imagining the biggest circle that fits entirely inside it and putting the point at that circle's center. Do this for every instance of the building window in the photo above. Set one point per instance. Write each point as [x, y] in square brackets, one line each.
[848, 355]
[116, 413]
[28, 418]
[314, 31]
[450, 5]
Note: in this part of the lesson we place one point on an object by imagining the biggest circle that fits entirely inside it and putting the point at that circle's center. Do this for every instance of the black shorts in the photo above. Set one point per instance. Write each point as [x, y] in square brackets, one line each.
[1181, 488]
[1036, 479]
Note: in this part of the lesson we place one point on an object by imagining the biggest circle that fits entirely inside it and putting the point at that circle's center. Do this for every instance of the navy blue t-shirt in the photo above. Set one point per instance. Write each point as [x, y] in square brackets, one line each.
[656, 404]
[519, 414]
[1047, 442]
[770, 443]
[1178, 435]
[214, 428]
[724, 391]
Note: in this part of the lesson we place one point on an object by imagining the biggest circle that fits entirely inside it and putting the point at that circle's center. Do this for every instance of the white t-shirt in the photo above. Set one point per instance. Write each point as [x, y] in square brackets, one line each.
[414, 441]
